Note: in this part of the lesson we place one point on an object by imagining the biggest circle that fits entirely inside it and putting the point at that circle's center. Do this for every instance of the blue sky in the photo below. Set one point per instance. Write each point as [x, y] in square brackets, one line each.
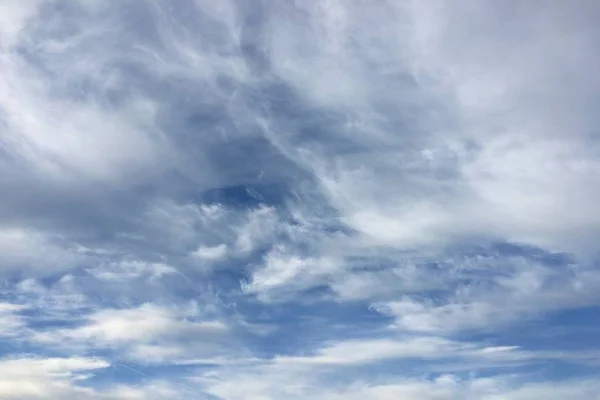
[333, 199]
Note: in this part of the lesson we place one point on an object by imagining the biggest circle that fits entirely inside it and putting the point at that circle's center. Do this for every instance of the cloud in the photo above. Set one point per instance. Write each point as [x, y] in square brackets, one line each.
[295, 385]
[10, 319]
[80, 140]
[282, 273]
[407, 277]
[14, 17]
[211, 253]
[64, 378]
[487, 139]
[520, 289]
[37, 378]
[361, 352]
[35, 251]
[147, 333]
[339, 370]
[333, 199]
[485, 389]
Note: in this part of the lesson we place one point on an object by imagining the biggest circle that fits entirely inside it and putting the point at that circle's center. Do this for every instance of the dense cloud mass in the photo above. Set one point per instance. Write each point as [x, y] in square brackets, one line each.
[303, 199]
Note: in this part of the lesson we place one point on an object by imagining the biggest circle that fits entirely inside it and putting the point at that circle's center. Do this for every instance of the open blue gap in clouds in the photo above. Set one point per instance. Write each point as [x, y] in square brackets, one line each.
[306, 200]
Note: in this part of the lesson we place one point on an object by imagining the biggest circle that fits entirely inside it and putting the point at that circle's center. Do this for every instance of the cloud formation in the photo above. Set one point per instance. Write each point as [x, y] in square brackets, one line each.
[332, 199]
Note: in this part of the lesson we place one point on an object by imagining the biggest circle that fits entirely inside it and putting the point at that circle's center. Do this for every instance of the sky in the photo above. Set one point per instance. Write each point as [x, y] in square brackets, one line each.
[299, 199]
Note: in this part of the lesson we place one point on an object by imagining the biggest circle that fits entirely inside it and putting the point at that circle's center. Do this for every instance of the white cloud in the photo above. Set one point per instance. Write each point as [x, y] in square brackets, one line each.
[407, 277]
[209, 253]
[442, 354]
[156, 354]
[13, 17]
[498, 142]
[147, 333]
[271, 383]
[512, 290]
[46, 378]
[357, 352]
[208, 232]
[258, 228]
[72, 140]
[62, 300]
[415, 316]
[11, 322]
[126, 270]
[26, 248]
[30, 378]
[342, 370]
[449, 388]
[283, 273]
[401, 138]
